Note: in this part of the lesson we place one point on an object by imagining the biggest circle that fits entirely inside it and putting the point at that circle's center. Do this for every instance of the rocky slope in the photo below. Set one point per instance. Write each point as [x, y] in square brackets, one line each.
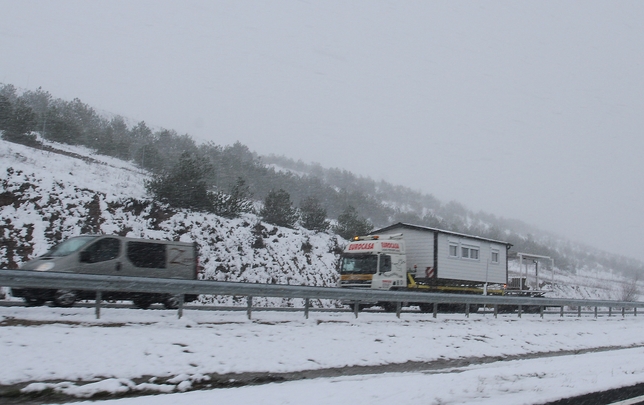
[52, 194]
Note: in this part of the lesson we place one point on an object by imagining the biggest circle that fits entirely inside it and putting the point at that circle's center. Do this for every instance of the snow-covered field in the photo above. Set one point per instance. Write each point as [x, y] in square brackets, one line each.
[130, 350]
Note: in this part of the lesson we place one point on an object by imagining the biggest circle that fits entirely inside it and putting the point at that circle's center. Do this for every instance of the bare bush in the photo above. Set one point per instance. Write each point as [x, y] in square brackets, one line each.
[630, 291]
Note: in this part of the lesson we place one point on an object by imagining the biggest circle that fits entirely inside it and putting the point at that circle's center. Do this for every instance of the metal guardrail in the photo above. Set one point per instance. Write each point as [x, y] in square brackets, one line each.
[88, 282]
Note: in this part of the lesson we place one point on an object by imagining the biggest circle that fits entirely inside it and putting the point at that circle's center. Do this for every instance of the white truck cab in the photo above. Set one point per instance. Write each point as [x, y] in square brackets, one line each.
[374, 261]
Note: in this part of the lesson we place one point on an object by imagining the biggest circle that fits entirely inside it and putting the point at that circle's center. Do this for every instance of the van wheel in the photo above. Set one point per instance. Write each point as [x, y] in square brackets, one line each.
[65, 298]
[33, 301]
[142, 302]
[172, 301]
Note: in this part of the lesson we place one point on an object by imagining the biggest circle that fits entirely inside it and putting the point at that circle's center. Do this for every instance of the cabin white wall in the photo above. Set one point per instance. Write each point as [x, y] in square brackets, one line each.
[480, 270]
[419, 248]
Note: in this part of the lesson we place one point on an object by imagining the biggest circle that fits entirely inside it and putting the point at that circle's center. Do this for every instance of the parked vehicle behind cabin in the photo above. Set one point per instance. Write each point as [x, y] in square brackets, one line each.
[113, 255]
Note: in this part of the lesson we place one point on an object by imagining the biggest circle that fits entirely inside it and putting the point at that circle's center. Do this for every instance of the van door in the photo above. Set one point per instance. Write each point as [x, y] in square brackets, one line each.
[182, 262]
[102, 257]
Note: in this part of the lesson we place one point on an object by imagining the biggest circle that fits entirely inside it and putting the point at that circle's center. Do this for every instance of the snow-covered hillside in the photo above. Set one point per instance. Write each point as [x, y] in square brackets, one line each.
[47, 196]
[585, 283]
[50, 194]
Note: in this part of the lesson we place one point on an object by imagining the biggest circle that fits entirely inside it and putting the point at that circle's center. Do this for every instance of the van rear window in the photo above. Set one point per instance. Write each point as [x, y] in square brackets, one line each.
[147, 255]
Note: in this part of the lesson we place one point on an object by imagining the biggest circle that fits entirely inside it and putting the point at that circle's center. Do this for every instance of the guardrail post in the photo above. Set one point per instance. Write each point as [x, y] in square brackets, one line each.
[467, 310]
[496, 310]
[561, 311]
[398, 308]
[541, 311]
[99, 298]
[435, 310]
[610, 311]
[579, 311]
[306, 308]
[180, 309]
[249, 306]
[356, 308]
[595, 312]
[623, 312]
[635, 311]
[519, 311]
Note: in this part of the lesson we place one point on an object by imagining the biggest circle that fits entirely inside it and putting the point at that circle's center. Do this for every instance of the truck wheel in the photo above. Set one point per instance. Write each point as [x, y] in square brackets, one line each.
[389, 306]
[531, 309]
[172, 301]
[65, 298]
[425, 308]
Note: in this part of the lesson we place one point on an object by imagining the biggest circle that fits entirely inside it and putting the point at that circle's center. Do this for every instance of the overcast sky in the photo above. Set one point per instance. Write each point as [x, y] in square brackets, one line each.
[524, 109]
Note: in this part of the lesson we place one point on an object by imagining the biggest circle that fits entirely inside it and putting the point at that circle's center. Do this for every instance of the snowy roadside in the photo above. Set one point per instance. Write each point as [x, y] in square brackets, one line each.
[521, 382]
[69, 351]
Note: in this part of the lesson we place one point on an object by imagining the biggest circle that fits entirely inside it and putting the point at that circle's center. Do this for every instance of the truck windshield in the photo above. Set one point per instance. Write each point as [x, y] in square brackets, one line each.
[359, 264]
[69, 246]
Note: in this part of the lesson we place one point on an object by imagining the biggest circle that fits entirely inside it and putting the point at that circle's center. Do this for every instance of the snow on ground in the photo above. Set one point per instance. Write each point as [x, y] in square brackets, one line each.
[69, 345]
[516, 383]
[110, 175]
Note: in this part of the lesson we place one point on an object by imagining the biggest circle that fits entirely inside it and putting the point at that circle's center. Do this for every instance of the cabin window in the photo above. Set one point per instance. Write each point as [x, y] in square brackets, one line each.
[453, 250]
[469, 253]
[495, 256]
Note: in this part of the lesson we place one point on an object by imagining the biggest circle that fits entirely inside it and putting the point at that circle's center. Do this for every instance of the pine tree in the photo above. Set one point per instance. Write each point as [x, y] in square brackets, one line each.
[232, 205]
[17, 121]
[6, 111]
[149, 157]
[278, 209]
[184, 186]
[115, 139]
[350, 225]
[314, 215]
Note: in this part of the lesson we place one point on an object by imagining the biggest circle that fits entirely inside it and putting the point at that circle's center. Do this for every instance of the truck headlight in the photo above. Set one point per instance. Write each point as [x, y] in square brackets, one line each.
[44, 266]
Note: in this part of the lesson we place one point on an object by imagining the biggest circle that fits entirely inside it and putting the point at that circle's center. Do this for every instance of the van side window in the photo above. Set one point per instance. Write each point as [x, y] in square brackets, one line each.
[103, 250]
[147, 255]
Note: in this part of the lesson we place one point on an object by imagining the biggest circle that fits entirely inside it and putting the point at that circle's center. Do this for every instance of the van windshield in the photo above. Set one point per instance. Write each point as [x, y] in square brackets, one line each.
[69, 246]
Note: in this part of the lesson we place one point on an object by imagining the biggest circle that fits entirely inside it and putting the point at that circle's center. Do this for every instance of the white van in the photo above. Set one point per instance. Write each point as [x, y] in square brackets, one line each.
[114, 256]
